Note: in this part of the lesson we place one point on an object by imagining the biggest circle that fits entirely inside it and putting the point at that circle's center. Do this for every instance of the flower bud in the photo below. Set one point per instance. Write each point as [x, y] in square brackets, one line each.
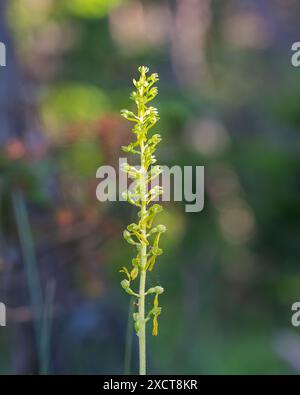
[157, 251]
[125, 284]
[161, 228]
[134, 272]
[154, 77]
[156, 208]
[125, 167]
[156, 170]
[143, 69]
[156, 138]
[132, 227]
[127, 237]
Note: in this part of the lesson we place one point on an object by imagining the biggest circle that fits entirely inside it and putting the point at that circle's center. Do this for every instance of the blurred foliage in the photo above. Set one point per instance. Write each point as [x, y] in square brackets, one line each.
[91, 8]
[73, 103]
[229, 100]
[82, 158]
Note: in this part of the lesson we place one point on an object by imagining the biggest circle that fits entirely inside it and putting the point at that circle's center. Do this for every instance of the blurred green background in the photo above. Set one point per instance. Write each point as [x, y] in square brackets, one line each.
[229, 100]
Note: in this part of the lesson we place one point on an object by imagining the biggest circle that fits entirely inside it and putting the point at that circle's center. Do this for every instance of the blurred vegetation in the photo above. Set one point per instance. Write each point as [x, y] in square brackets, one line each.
[229, 100]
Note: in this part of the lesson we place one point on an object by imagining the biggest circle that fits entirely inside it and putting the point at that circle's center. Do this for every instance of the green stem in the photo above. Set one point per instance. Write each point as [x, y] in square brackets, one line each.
[142, 324]
[142, 320]
[31, 269]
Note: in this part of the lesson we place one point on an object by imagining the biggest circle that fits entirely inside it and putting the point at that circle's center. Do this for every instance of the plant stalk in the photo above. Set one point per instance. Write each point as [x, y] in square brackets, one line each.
[140, 196]
[31, 269]
[142, 320]
[142, 324]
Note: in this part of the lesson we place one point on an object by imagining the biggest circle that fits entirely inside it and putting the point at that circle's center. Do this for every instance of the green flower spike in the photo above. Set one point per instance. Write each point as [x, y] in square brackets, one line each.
[142, 234]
